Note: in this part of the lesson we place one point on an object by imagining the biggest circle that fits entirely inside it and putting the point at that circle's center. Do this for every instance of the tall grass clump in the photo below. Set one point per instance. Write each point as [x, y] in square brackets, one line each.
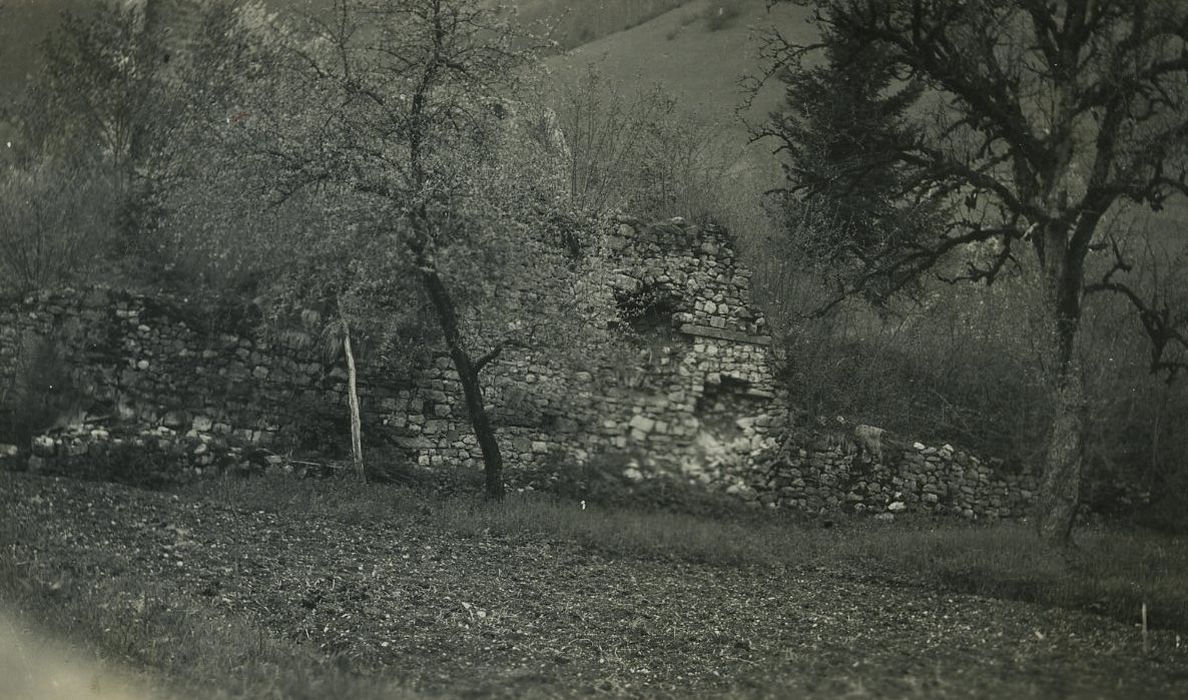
[1112, 572]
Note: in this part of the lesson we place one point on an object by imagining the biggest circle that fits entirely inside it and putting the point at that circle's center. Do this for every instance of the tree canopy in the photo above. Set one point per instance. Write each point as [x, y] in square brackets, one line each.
[1035, 120]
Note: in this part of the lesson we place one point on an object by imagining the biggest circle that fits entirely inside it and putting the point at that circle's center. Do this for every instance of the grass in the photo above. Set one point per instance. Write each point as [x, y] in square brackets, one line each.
[537, 595]
[1112, 571]
[125, 623]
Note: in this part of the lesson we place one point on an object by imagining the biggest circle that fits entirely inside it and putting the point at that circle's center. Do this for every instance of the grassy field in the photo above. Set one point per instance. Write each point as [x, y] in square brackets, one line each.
[269, 588]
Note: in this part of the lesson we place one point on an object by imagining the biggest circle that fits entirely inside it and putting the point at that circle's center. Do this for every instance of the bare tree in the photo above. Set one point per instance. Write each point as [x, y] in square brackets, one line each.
[1036, 120]
[53, 224]
[395, 116]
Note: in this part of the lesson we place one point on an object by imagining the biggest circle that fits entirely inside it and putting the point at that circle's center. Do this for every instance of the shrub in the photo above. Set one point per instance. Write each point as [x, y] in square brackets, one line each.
[40, 393]
[53, 223]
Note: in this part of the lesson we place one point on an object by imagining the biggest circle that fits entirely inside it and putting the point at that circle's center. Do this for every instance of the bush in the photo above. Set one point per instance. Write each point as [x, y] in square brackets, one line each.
[957, 370]
[963, 364]
[40, 393]
[53, 224]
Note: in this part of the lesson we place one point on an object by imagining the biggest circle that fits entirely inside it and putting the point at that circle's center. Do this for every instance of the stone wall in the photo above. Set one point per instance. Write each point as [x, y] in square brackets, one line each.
[818, 477]
[698, 359]
[695, 400]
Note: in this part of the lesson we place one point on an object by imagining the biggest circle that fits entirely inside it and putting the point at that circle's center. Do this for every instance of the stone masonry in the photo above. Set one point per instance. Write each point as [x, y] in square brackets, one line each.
[699, 402]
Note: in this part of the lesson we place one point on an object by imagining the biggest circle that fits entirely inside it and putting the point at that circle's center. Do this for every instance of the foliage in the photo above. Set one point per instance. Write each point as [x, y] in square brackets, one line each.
[54, 226]
[413, 175]
[1037, 125]
[40, 392]
[838, 135]
[102, 98]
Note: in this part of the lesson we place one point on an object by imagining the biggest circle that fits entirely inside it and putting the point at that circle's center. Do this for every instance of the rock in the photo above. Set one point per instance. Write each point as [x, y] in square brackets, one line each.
[641, 423]
[7, 451]
[633, 474]
[43, 446]
[203, 424]
[885, 517]
[897, 507]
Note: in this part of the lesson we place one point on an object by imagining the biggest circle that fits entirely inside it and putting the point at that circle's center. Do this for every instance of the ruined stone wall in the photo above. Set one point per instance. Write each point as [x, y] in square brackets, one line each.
[692, 396]
[162, 363]
[698, 359]
[812, 476]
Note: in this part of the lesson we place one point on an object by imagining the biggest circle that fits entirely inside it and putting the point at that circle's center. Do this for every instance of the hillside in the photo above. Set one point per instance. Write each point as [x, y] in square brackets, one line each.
[24, 24]
[699, 56]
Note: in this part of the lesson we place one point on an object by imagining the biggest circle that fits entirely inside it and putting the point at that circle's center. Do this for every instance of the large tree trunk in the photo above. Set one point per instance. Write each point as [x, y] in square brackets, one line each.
[468, 373]
[1060, 486]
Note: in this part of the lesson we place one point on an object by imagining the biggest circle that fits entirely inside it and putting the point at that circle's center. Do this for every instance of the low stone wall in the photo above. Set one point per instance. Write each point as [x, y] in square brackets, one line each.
[917, 478]
[160, 362]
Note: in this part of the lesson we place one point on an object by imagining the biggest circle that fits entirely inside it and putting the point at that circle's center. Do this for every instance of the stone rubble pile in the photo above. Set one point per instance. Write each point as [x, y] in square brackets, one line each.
[935, 480]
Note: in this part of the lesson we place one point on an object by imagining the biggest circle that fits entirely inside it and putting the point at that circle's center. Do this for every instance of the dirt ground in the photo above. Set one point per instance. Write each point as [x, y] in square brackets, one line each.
[492, 616]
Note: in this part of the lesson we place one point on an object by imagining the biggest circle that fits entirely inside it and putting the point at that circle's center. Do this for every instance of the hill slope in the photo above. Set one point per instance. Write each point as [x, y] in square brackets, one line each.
[699, 56]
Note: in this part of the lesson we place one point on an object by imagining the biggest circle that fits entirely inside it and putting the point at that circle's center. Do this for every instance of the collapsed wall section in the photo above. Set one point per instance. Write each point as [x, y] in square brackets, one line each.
[691, 393]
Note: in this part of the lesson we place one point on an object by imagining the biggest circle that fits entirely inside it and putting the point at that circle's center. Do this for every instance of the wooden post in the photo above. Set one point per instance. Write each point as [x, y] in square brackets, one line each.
[353, 399]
